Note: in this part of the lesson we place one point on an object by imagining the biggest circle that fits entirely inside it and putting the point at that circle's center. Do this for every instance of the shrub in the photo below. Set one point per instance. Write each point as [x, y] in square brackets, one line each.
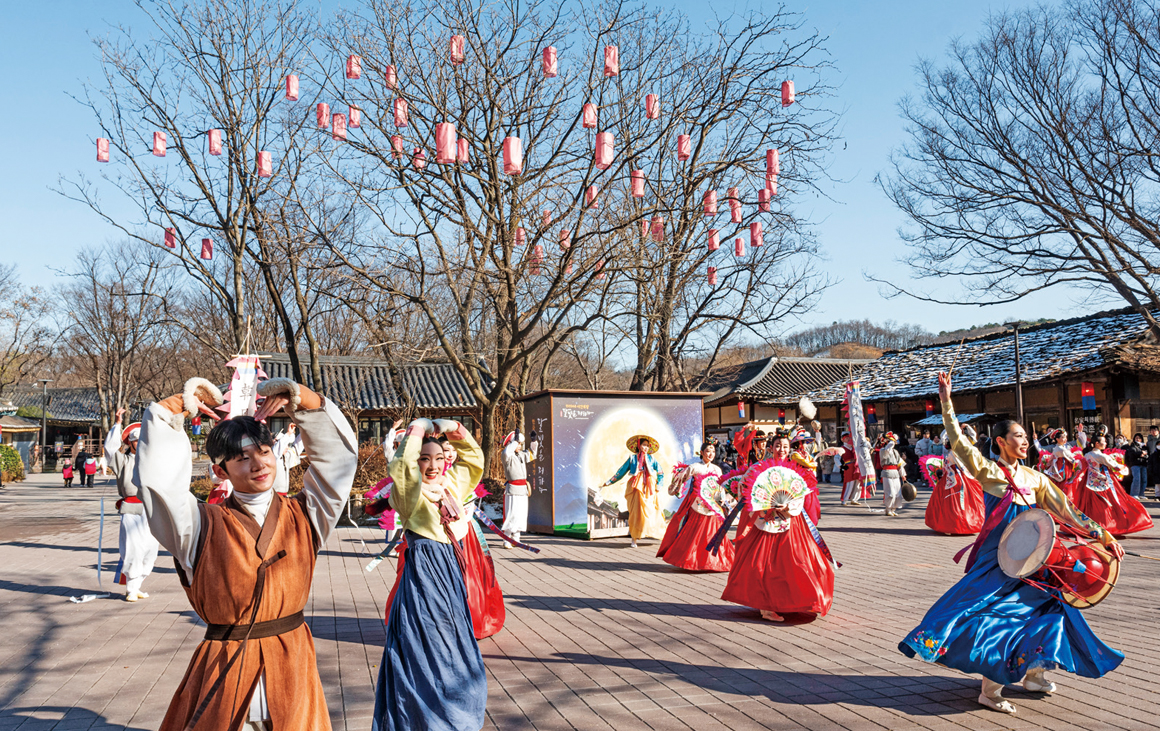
[11, 463]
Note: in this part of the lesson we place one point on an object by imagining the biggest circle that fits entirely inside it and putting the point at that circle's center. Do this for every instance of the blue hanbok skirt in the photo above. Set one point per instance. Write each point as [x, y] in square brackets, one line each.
[1000, 627]
[432, 676]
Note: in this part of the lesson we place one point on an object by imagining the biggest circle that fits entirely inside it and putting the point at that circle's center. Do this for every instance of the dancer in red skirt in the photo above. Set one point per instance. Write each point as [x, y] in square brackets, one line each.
[956, 498]
[1098, 493]
[682, 484]
[782, 564]
[705, 506]
[1063, 464]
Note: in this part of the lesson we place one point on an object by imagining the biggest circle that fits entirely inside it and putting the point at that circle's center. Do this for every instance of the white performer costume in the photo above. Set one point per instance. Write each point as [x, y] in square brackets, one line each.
[164, 468]
[891, 462]
[515, 492]
[138, 547]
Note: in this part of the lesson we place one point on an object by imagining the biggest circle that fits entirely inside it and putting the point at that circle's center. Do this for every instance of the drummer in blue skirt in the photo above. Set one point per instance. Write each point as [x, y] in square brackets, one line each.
[432, 675]
[989, 623]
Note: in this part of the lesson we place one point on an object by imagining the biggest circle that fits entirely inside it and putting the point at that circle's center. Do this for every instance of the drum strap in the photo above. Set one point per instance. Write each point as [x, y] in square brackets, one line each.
[993, 520]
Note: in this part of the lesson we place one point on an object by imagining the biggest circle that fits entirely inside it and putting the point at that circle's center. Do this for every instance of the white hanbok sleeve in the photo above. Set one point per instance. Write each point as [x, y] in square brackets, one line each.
[162, 474]
[332, 449]
[114, 457]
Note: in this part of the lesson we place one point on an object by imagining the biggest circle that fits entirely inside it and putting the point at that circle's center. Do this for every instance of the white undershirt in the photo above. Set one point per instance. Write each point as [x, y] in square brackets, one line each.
[258, 505]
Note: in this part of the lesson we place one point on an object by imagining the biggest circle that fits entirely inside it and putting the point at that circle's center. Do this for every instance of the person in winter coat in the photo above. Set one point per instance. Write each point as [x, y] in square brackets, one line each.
[1136, 459]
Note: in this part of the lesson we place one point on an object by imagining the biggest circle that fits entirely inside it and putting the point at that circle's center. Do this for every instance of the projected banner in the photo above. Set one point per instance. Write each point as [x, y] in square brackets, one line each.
[585, 435]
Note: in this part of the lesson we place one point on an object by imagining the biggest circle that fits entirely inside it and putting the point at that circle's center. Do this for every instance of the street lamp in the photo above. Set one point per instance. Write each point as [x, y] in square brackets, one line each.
[44, 422]
[1018, 374]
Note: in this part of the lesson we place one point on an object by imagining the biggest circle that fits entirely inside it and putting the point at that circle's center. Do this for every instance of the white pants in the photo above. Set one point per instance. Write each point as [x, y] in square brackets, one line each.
[515, 515]
[891, 489]
[138, 550]
[853, 491]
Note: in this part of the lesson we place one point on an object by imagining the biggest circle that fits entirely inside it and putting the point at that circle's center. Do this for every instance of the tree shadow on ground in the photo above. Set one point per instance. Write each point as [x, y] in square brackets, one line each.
[65, 717]
[358, 630]
[603, 566]
[724, 612]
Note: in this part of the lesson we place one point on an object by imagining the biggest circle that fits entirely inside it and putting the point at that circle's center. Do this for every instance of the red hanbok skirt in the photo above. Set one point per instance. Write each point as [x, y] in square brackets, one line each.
[812, 507]
[781, 572]
[687, 550]
[1128, 516]
[674, 523]
[944, 514]
[484, 596]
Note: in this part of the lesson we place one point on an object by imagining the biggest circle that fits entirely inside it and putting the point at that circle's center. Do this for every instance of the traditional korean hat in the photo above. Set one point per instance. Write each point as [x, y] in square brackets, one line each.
[633, 441]
[132, 432]
[799, 435]
[890, 437]
[513, 436]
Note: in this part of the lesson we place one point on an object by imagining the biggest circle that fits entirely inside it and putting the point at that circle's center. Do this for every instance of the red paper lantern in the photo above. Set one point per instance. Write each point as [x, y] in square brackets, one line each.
[550, 65]
[684, 147]
[781, 416]
[763, 200]
[652, 106]
[658, 228]
[323, 113]
[590, 196]
[755, 234]
[537, 259]
[215, 142]
[929, 407]
[771, 185]
[787, 93]
[265, 165]
[568, 269]
[292, 88]
[611, 61]
[446, 149]
[546, 217]
[600, 269]
[462, 150]
[391, 77]
[710, 203]
[738, 247]
[171, 238]
[714, 240]
[353, 67]
[734, 205]
[871, 414]
[354, 121]
[741, 409]
[397, 146]
[338, 126]
[159, 144]
[400, 112]
[605, 143]
[772, 162]
[638, 184]
[455, 50]
[713, 276]
[102, 149]
[419, 160]
[521, 237]
[588, 118]
[513, 156]
[565, 239]
[207, 249]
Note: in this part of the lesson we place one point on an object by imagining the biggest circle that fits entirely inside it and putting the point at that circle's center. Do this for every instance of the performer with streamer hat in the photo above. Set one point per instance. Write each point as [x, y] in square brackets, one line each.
[138, 547]
[1000, 626]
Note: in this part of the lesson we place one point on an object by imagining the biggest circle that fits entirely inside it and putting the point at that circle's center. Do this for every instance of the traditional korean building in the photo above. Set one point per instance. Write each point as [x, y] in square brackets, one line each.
[769, 390]
[74, 414]
[1112, 355]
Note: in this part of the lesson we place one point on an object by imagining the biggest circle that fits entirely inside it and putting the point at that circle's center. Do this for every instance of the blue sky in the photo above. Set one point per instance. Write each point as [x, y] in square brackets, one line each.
[46, 55]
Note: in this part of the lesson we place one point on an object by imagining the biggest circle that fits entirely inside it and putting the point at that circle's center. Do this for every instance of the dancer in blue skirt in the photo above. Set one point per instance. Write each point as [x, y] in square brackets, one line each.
[1002, 628]
[432, 676]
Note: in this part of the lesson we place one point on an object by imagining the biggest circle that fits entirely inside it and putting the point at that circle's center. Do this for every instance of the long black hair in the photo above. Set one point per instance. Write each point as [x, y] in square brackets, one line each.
[1003, 428]
[225, 440]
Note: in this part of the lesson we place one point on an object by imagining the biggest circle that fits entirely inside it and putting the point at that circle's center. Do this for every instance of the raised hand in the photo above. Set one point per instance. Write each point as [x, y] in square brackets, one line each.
[120, 415]
[944, 386]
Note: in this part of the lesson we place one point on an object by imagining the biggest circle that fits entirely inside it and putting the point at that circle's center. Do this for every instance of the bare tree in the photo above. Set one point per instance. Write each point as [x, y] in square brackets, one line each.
[887, 336]
[26, 337]
[1032, 163]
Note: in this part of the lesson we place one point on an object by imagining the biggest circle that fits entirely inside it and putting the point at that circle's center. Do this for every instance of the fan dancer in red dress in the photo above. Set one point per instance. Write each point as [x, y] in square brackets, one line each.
[956, 500]
[682, 483]
[1063, 464]
[1098, 493]
[705, 504]
[782, 564]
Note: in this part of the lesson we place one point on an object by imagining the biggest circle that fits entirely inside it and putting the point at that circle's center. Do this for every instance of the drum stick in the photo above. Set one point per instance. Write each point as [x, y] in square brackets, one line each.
[955, 360]
[1140, 555]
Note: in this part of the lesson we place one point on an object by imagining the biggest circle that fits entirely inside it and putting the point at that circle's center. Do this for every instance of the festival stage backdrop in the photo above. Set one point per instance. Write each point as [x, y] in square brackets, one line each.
[583, 436]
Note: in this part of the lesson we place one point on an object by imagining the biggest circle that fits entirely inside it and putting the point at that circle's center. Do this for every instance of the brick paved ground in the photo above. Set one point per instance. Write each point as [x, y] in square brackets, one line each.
[598, 636]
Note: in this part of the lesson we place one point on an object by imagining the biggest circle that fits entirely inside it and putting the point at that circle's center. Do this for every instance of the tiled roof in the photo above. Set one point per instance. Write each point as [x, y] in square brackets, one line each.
[365, 383]
[64, 404]
[19, 423]
[1048, 351]
[780, 379]
[937, 420]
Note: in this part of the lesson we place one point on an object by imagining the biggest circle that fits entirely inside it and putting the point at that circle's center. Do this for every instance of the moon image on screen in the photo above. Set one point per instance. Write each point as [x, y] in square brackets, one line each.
[605, 450]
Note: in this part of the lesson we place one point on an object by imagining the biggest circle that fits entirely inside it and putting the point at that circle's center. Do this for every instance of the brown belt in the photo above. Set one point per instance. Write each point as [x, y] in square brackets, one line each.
[269, 628]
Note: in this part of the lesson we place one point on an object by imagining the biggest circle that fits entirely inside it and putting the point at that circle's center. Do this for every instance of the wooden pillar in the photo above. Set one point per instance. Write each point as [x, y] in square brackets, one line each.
[1061, 387]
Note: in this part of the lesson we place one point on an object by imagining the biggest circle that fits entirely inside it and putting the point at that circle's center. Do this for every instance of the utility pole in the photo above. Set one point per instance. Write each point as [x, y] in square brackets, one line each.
[1018, 376]
[44, 422]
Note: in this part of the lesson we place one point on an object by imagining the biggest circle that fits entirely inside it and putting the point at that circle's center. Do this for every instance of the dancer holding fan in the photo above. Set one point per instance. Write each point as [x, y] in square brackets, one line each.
[700, 516]
[1099, 495]
[1063, 463]
[782, 564]
[956, 498]
[989, 623]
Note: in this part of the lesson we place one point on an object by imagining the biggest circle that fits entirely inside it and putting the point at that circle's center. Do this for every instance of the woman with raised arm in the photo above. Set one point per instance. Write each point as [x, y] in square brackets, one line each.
[642, 491]
[988, 623]
[247, 564]
[432, 674]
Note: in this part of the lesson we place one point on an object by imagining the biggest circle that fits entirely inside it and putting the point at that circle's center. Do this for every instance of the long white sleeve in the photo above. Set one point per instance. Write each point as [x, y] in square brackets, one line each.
[332, 449]
[162, 475]
[119, 462]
